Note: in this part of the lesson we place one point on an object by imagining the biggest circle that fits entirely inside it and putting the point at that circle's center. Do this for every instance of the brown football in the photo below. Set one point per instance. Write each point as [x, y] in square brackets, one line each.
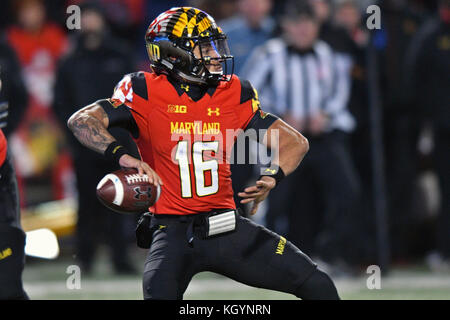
[124, 191]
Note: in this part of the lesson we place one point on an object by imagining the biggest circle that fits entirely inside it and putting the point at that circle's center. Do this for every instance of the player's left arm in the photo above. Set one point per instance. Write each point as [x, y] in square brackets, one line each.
[290, 149]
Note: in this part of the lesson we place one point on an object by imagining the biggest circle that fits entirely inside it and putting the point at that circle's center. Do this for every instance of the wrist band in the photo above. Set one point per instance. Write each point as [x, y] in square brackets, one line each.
[273, 171]
[114, 151]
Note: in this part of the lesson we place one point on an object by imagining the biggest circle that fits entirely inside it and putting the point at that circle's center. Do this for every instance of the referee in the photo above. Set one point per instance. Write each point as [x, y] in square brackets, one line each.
[307, 84]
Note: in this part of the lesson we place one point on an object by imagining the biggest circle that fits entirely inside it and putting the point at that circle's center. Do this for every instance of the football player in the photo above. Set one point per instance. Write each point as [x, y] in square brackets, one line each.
[180, 116]
[12, 237]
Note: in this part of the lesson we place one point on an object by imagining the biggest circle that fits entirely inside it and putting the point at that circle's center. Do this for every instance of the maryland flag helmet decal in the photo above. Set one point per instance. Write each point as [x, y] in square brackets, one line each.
[172, 38]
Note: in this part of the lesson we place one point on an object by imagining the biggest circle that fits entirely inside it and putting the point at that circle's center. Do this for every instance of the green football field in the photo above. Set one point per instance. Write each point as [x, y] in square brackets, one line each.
[51, 280]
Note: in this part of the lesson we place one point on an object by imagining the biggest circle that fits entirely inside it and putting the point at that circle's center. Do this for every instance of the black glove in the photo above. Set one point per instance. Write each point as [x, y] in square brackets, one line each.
[3, 114]
[144, 231]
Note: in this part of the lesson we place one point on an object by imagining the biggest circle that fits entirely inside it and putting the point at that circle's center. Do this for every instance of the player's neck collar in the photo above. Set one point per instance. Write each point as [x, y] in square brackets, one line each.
[195, 92]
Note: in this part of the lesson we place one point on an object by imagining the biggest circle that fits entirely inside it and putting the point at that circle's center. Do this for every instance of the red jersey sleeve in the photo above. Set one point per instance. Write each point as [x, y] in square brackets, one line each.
[131, 93]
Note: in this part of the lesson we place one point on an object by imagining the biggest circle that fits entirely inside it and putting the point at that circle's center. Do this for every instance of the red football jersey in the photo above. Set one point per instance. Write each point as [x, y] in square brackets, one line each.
[3, 146]
[187, 142]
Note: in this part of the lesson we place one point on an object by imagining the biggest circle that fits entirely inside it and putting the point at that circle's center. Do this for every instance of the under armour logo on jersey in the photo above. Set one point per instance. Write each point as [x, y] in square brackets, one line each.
[185, 87]
[211, 111]
[138, 194]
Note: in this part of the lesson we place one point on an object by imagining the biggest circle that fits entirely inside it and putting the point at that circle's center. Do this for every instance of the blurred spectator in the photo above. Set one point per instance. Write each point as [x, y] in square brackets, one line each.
[13, 100]
[124, 17]
[300, 79]
[249, 28]
[332, 34]
[348, 16]
[38, 142]
[246, 30]
[400, 21]
[5, 14]
[87, 74]
[13, 87]
[428, 69]
[220, 10]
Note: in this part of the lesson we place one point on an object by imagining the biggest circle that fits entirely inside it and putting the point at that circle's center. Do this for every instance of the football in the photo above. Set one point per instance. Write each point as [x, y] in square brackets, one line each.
[124, 191]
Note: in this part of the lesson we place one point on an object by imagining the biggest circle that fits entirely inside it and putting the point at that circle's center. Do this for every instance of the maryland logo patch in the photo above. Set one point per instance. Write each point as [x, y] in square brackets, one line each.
[122, 93]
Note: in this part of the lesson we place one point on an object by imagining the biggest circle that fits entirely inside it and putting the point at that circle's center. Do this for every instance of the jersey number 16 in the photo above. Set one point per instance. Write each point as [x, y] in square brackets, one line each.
[200, 167]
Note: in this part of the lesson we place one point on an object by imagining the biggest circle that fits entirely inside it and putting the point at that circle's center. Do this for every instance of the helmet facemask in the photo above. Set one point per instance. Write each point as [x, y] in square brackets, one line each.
[201, 60]
[215, 58]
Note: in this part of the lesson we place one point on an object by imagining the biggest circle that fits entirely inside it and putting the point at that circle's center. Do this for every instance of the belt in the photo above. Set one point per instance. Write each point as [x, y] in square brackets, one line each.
[207, 224]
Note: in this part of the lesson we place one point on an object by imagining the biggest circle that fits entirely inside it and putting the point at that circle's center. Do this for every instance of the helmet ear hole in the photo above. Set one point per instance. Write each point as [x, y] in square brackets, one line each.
[181, 60]
[175, 54]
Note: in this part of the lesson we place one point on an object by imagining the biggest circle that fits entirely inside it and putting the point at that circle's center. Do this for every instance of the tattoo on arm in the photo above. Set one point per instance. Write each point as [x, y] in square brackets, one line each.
[88, 126]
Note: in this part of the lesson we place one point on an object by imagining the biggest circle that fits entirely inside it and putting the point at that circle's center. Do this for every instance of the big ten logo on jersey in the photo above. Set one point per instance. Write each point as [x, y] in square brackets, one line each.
[153, 51]
[175, 108]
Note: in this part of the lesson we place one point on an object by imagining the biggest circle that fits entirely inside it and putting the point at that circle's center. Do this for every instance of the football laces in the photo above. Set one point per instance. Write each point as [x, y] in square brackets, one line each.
[134, 178]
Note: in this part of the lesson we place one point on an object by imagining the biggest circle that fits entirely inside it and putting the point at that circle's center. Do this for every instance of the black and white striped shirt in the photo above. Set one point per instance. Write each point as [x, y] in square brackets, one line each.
[302, 84]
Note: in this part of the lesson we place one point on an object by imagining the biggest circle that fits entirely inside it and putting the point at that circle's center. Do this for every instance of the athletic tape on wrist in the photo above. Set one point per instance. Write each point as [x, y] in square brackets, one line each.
[114, 151]
[273, 171]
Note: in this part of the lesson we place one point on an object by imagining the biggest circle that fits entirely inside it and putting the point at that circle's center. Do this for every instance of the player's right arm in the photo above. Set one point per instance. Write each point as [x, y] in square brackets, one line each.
[90, 126]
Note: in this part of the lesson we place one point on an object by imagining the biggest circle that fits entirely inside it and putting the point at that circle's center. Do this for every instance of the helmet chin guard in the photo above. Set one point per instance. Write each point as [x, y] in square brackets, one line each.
[187, 44]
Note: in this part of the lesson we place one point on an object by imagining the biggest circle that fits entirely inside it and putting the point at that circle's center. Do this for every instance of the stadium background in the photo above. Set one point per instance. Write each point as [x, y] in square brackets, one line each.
[393, 152]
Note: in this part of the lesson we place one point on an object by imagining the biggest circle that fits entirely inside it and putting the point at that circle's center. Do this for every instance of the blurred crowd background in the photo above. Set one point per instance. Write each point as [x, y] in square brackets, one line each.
[374, 104]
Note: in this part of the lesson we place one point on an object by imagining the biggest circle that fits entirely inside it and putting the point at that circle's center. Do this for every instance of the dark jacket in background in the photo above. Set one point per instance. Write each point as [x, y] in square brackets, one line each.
[85, 76]
[399, 26]
[13, 88]
[12, 91]
[428, 70]
[337, 38]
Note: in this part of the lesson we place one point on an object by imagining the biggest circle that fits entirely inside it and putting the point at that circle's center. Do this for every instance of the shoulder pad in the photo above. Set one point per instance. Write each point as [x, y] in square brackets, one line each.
[247, 91]
[139, 84]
